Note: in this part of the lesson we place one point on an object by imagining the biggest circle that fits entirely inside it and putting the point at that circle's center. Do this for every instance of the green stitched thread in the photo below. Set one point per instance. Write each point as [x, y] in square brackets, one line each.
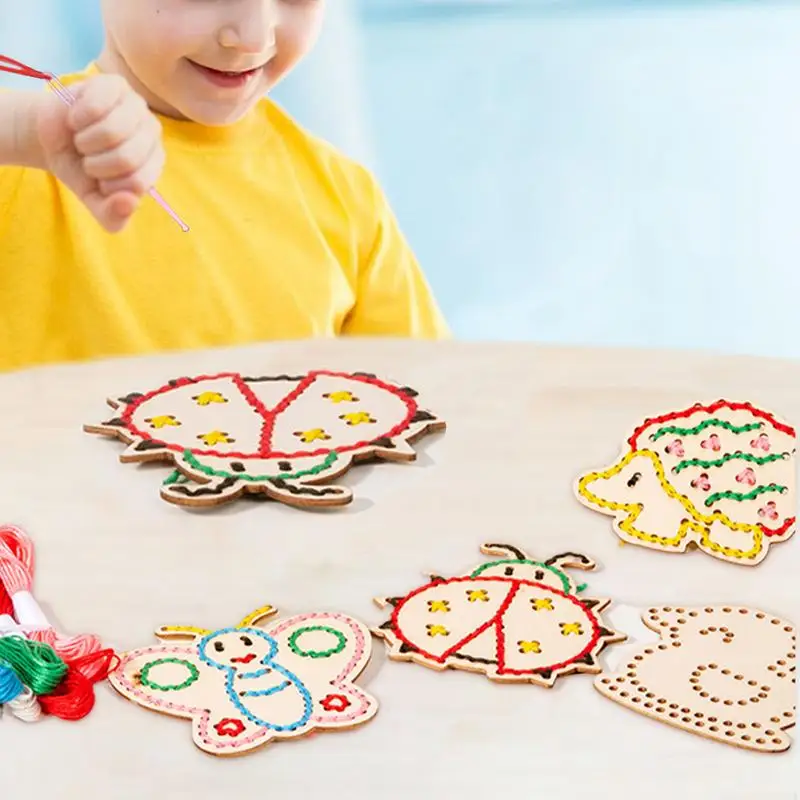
[190, 459]
[194, 674]
[337, 648]
[37, 664]
[176, 477]
[712, 498]
[719, 423]
[516, 561]
[760, 460]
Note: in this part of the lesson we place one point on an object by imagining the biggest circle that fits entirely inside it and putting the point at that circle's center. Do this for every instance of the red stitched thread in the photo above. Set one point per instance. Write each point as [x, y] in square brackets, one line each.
[586, 650]
[269, 419]
[633, 442]
[496, 620]
[710, 409]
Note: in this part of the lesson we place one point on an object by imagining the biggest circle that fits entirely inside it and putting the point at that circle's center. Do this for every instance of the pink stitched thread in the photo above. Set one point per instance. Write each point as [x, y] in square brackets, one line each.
[339, 681]
[203, 717]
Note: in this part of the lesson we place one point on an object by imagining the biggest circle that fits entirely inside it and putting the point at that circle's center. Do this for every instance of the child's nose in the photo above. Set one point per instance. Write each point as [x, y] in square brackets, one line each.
[252, 26]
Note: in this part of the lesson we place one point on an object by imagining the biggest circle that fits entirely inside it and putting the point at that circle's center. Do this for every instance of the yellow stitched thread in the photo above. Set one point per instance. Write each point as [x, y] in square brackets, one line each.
[216, 437]
[341, 397]
[179, 629]
[357, 418]
[635, 509]
[256, 616]
[206, 398]
[162, 421]
[311, 435]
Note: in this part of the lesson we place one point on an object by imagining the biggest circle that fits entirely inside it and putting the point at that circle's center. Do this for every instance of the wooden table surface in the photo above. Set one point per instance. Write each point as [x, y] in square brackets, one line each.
[524, 421]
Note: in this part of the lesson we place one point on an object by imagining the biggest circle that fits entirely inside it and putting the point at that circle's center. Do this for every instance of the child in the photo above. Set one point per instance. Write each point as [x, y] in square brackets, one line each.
[288, 238]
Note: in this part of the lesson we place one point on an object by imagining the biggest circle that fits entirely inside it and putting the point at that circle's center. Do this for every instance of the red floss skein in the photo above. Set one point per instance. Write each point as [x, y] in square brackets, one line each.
[87, 662]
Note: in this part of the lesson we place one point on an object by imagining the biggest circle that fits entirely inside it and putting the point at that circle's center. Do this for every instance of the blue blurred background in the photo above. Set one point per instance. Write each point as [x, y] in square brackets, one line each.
[579, 171]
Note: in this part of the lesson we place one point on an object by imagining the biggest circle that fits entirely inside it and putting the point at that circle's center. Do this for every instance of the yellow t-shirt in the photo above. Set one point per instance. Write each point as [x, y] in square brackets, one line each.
[289, 239]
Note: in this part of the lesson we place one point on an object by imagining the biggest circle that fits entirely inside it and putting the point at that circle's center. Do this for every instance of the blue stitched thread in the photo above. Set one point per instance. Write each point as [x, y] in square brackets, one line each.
[268, 665]
[266, 692]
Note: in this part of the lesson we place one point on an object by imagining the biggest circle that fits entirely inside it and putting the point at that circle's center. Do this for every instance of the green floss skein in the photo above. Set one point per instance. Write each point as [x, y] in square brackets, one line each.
[37, 664]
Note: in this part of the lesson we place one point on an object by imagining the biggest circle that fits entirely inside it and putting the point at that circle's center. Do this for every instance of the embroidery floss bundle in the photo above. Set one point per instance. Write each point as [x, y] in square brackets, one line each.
[59, 671]
[18, 68]
[17, 697]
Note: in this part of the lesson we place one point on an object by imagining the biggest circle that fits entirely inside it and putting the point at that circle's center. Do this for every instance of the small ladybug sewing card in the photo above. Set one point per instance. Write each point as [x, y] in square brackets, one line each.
[514, 619]
[286, 436]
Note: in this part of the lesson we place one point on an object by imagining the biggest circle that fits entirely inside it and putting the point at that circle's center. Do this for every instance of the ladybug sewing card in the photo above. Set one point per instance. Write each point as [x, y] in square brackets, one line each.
[286, 437]
[514, 619]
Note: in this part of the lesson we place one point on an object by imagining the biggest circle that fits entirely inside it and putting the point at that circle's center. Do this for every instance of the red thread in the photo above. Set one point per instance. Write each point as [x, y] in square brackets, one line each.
[633, 439]
[710, 409]
[269, 415]
[16, 565]
[229, 727]
[74, 697]
[335, 702]
[87, 663]
[18, 68]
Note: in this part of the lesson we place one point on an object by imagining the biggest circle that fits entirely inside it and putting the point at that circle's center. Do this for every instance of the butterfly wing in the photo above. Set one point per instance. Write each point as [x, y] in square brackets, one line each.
[173, 680]
[327, 652]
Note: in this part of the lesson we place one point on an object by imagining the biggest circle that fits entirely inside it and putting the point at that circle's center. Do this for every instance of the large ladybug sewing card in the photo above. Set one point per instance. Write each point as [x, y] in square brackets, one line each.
[285, 436]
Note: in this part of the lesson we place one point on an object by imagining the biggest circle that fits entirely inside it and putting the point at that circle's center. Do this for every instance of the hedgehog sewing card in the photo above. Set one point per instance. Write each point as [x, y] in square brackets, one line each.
[285, 436]
[720, 477]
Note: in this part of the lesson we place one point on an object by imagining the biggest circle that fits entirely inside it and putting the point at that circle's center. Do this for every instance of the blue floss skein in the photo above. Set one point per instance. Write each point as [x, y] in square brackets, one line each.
[10, 685]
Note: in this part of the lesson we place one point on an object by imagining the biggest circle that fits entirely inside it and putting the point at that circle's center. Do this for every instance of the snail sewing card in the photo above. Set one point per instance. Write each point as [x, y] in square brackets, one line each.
[720, 477]
[513, 618]
[248, 685]
[723, 672]
[284, 436]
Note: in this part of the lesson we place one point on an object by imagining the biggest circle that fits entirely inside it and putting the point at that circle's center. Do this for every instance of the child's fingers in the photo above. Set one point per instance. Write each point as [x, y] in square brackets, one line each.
[124, 160]
[117, 127]
[112, 212]
[140, 181]
[95, 99]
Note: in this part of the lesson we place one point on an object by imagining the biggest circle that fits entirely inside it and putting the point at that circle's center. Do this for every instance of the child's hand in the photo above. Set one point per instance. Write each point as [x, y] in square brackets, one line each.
[106, 147]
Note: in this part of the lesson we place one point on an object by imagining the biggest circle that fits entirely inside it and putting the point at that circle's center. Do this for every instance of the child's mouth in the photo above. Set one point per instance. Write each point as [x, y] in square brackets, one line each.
[224, 79]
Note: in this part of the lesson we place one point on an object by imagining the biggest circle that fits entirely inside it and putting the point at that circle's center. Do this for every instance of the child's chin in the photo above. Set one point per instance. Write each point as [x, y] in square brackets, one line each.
[218, 114]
